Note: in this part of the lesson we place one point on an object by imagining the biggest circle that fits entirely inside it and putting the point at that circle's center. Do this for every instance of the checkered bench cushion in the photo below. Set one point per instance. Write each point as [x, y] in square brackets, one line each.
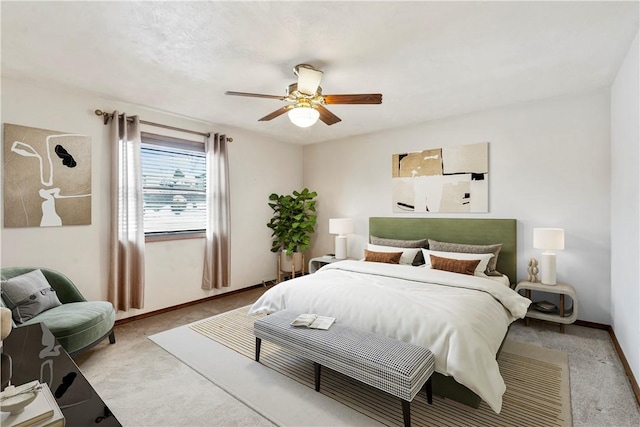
[396, 367]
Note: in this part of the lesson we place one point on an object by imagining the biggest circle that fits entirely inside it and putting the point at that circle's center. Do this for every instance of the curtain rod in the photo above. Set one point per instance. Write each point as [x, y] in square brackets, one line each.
[108, 116]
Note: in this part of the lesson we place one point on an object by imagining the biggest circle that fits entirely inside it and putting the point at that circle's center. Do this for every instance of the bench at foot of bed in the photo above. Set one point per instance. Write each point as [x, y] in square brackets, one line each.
[393, 366]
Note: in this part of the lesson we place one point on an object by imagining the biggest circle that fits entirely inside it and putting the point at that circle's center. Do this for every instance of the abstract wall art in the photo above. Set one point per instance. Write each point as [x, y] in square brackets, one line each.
[451, 179]
[47, 177]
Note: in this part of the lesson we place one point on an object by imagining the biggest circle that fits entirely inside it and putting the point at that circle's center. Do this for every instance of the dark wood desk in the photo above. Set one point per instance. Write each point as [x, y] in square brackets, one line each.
[36, 355]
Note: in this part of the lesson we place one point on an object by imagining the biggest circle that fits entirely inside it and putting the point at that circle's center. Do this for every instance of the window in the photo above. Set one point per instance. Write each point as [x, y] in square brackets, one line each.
[173, 186]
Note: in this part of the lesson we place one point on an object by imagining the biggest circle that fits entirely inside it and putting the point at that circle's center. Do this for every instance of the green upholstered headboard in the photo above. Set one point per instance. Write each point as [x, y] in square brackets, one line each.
[477, 231]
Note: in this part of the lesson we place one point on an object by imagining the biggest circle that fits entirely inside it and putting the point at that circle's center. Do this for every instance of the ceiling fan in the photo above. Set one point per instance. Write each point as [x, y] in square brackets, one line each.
[308, 102]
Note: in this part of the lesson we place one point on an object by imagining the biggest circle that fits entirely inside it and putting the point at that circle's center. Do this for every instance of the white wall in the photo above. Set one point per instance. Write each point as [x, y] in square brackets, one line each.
[625, 208]
[173, 269]
[549, 166]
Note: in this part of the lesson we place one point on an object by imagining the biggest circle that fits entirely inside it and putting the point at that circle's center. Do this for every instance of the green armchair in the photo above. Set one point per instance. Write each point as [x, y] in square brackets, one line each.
[77, 324]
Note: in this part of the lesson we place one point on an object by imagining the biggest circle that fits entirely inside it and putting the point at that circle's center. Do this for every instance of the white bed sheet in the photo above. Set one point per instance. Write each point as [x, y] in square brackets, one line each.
[461, 319]
[504, 280]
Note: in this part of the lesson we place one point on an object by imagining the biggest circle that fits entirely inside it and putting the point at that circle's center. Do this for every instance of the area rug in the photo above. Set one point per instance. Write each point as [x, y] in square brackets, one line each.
[281, 386]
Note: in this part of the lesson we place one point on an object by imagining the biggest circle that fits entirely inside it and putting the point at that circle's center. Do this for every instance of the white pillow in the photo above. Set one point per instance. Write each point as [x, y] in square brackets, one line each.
[480, 268]
[408, 254]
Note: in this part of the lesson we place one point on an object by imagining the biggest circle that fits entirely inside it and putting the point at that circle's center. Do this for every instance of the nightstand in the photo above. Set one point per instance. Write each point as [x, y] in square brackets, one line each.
[317, 262]
[563, 289]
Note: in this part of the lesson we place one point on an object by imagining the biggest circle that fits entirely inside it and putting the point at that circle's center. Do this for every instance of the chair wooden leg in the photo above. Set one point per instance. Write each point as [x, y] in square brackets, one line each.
[112, 337]
[429, 392]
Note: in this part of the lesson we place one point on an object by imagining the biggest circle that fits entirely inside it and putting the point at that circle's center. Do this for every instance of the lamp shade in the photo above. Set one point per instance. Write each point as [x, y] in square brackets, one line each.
[548, 238]
[303, 116]
[340, 226]
[308, 79]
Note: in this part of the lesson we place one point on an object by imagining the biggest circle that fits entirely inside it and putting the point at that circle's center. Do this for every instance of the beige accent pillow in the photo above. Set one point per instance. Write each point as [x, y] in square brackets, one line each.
[454, 265]
[386, 257]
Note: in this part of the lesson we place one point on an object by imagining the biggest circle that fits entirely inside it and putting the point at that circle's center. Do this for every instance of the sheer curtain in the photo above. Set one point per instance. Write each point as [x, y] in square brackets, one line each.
[126, 258]
[217, 246]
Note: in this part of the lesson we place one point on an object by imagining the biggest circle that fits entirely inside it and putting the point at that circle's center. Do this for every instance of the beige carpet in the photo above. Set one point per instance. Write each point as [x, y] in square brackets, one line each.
[537, 381]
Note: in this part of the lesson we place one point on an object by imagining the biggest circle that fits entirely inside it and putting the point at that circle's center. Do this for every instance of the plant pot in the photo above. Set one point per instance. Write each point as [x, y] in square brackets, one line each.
[286, 261]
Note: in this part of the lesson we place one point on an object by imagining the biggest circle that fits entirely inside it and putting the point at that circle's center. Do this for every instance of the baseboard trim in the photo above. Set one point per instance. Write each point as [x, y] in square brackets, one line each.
[625, 364]
[186, 304]
[592, 325]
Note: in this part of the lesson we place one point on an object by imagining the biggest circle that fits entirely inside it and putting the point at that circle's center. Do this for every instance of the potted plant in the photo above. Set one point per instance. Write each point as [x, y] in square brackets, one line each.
[293, 223]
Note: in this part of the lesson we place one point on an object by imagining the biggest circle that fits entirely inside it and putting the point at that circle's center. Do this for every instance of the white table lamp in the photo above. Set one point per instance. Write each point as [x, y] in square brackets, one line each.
[548, 239]
[341, 227]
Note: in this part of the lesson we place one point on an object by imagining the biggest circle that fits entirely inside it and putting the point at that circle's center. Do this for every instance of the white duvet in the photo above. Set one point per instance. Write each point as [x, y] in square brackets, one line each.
[461, 319]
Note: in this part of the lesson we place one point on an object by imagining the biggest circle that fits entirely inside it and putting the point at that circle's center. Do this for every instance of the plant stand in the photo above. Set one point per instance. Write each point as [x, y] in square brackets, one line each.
[293, 271]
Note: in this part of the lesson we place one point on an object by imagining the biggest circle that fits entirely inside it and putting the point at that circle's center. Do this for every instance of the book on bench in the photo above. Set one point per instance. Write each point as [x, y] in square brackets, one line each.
[313, 321]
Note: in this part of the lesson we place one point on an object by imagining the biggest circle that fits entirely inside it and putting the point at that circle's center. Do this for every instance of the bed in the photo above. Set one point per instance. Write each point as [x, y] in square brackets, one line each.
[462, 319]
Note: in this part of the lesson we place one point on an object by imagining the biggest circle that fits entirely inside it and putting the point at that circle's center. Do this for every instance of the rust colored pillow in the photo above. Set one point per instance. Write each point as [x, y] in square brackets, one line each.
[461, 266]
[388, 257]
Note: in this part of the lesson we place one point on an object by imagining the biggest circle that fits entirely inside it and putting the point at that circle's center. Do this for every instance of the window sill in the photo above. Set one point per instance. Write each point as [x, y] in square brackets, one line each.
[173, 236]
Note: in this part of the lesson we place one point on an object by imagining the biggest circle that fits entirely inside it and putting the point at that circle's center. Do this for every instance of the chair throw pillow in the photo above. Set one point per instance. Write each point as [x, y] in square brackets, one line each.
[28, 295]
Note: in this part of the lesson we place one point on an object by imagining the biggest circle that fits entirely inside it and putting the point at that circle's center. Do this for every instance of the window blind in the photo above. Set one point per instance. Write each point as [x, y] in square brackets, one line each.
[173, 186]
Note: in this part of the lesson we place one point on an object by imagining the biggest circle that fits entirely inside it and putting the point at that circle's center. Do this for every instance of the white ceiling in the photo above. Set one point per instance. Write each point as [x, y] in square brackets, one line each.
[428, 59]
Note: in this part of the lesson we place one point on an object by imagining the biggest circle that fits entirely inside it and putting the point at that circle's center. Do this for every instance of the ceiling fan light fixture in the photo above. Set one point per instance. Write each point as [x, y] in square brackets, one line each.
[307, 102]
[304, 116]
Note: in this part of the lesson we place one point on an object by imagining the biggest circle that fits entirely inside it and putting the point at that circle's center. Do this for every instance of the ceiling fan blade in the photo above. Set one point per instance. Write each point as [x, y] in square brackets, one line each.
[363, 98]
[255, 95]
[308, 79]
[278, 112]
[327, 116]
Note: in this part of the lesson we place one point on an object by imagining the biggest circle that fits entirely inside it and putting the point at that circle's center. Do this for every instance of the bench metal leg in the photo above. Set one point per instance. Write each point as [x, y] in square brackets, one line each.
[258, 342]
[406, 412]
[316, 369]
[429, 392]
